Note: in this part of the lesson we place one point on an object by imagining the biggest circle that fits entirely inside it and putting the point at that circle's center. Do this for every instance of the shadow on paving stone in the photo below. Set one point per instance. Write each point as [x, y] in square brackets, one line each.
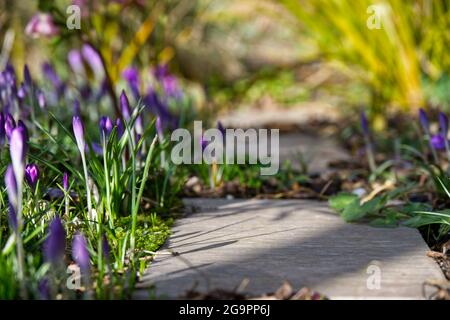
[303, 242]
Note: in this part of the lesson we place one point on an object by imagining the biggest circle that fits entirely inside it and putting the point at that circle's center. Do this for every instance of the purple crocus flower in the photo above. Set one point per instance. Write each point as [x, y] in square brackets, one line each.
[159, 129]
[18, 150]
[41, 24]
[32, 175]
[120, 129]
[106, 125]
[50, 73]
[92, 57]
[443, 124]
[41, 99]
[10, 124]
[12, 190]
[438, 141]
[21, 125]
[423, 118]
[364, 124]
[125, 106]
[27, 76]
[55, 244]
[66, 181]
[76, 61]
[131, 75]
[78, 130]
[80, 252]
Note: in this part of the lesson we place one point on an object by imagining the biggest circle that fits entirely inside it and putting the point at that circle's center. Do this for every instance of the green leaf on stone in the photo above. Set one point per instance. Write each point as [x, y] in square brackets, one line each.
[341, 201]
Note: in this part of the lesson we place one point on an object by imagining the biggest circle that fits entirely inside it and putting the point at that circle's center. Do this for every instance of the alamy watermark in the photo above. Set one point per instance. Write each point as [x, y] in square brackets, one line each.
[373, 281]
[233, 146]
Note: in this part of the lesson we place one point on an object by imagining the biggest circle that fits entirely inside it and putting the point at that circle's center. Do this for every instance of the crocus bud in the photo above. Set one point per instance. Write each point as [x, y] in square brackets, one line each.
[18, 150]
[92, 57]
[221, 128]
[75, 61]
[55, 244]
[364, 124]
[78, 131]
[40, 96]
[10, 124]
[80, 252]
[27, 76]
[159, 128]
[125, 106]
[11, 188]
[424, 121]
[106, 125]
[131, 75]
[66, 181]
[120, 129]
[32, 175]
[443, 124]
[41, 24]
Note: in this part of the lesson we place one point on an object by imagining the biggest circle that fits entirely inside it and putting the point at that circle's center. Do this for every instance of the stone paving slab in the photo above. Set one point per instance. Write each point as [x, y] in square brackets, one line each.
[301, 241]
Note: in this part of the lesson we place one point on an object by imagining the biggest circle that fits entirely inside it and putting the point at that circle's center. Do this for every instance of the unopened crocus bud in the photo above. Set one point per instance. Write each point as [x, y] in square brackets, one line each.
[40, 96]
[221, 128]
[92, 57]
[27, 76]
[11, 188]
[32, 175]
[131, 75]
[443, 124]
[10, 124]
[55, 244]
[75, 61]
[78, 131]
[423, 119]
[80, 252]
[364, 124]
[18, 149]
[159, 128]
[106, 125]
[120, 129]
[23, 127]
[66, 181]
[125, 106]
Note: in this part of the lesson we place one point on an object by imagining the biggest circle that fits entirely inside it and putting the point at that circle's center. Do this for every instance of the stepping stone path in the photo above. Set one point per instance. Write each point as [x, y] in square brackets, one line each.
[220, 242]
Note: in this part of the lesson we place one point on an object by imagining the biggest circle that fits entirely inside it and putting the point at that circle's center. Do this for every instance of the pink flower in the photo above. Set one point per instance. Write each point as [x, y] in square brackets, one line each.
[41, 24]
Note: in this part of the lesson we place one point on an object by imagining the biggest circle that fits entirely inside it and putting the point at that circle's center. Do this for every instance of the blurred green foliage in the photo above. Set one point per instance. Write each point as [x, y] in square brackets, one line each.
[413, 40]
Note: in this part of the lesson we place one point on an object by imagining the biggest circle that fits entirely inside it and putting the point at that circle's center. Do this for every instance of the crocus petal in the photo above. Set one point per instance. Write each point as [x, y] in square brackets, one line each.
[423, 119]
[438, 142]
[55, 244]
[17, 150]
[125, 106]
[66, 181]
[443, 124]
[78, 131]
[80, 252]
[92, 57]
